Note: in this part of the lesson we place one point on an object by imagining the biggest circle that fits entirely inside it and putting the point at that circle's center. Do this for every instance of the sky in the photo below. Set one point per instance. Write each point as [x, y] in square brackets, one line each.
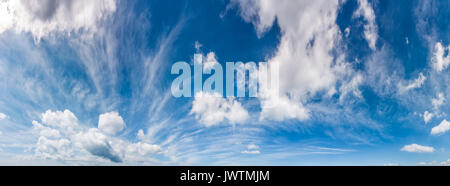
[361, 82]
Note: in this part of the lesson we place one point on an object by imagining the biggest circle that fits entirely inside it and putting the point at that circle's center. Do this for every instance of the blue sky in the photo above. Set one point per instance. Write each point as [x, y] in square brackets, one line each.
[88, 82]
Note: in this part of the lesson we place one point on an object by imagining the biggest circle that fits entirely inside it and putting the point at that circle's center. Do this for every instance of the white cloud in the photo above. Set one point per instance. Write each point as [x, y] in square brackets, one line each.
[62, 137]
[251, 149]
[435, 163]
[437, 102]
[370, 29]
[306, 65]
[252, 146]
[111, 123]
[417, 83]
[45, 17]
[212, 108]
[250, 152]
[351, 87]
[279, 108]
[443, 127]
[3, 116]
[427, 116]
[445, 163]
[45, 131]
[64, 121]
[143, 148]
[439, 61]
[141, 134]
[98, 144]
[417, 148]
[53, 149]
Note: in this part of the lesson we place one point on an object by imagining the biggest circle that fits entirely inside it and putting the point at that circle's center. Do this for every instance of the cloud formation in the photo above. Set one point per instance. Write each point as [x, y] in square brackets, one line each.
[417, 148]
[111, 123]
[304, 57]
[251, 149]
[427, 116]
[370, 29]
[97, 144]
[442, 128]
[45, 17]
[61, 137]
[211, 109]
[441, 57]
[417, 83]
[437, 102]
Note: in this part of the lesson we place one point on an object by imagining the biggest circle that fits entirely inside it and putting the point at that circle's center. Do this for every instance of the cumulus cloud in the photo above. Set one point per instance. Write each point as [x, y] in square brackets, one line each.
[370, 29]
[417, 83]
[97, 144]
[65, 121]
[417, 148]
[61, 137]
[306, 65]
[111, 122]
[440, 60]
[45, 131]
[212, 108]
[442, 128]
[56, 149]
[45, 17]
[3, 116]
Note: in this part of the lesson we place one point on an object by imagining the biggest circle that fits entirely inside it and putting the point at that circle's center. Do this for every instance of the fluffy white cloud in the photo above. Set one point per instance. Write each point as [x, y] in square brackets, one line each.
[417, 83]
[212, 108]
[62, 137]
[427, 116]
[45, 131]
[45, 17]
[111, 122]
[98, 144]
[65, 121]
[370, 29]
[417, 148]
[53, 149]
[440, 61]
[443, 127]
[3, 116]
[437, 102]
[306, 63]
